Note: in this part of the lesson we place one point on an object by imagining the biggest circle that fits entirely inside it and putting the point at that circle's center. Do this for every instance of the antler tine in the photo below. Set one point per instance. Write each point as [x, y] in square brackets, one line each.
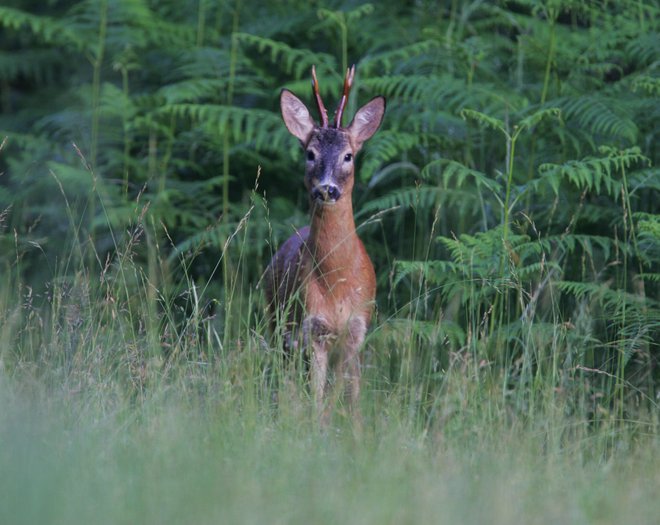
[348, 82]
[319, 102]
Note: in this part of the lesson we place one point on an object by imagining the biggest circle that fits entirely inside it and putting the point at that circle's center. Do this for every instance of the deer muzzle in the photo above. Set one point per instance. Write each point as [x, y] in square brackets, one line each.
[326, 193]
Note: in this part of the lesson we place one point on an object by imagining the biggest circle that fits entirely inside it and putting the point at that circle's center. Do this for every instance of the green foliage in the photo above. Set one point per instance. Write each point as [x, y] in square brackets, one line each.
[509, 202]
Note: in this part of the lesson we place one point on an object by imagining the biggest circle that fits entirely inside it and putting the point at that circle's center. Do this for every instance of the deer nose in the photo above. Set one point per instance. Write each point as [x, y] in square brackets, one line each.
[326, 193]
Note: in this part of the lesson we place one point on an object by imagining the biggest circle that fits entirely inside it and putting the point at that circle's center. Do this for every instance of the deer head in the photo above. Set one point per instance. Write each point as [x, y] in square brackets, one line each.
[330, 149]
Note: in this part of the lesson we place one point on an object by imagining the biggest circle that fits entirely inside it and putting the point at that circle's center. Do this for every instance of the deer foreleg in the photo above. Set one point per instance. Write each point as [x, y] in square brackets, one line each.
[319, 375]
[315, 338]
[349, 369]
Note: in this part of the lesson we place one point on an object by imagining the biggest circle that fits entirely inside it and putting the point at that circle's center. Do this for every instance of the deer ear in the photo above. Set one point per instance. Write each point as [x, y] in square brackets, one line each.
[367, 120]
[296, 116]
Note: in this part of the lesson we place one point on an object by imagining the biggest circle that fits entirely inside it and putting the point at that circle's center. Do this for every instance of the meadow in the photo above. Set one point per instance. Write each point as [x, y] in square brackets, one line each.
[509, 204]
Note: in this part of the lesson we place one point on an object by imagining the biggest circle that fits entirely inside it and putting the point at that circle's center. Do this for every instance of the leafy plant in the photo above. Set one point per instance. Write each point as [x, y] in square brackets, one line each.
[509, 202]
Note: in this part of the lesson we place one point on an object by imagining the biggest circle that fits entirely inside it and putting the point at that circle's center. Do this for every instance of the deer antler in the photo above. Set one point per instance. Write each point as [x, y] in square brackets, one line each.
[348, 82]
[319, 102]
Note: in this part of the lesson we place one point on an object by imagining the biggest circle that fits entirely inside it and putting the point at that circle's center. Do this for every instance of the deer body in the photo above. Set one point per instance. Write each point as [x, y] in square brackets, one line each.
[321, 282]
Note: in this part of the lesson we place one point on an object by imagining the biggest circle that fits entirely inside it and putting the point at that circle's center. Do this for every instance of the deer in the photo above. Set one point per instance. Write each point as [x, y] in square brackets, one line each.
[321, 283]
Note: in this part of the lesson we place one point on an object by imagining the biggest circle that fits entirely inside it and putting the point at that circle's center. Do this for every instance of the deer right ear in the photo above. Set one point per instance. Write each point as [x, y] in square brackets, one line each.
[367, 120]
[296, 116]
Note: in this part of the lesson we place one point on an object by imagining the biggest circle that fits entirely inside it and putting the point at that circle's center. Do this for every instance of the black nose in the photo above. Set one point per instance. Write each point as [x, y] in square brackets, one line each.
[326, 193]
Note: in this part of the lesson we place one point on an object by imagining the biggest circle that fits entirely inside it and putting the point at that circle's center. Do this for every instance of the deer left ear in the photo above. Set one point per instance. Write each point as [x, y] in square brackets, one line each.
[296, 116]
[367, 121]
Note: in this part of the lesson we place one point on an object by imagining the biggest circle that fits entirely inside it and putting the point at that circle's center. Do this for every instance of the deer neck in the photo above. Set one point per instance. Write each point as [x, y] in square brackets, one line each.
[333, 241]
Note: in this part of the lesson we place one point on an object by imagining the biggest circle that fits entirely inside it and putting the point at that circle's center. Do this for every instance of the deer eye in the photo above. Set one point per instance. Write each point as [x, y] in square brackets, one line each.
[310, 155]
[348, 157]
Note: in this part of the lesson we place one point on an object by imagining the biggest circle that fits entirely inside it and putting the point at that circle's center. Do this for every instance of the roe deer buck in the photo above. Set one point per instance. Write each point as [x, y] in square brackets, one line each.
[321, 277]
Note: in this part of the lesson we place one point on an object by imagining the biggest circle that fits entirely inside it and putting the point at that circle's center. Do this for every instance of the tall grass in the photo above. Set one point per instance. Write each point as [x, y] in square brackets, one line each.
[131, 394]
[184, 461]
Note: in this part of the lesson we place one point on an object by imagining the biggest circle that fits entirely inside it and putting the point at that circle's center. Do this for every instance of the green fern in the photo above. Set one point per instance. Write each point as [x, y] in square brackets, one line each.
[47, 28]
[599, 115]
[253, 125]
[294, 62]
[394, 59]
[386, 147]
[510, 196]
[458, 174]
[594, 173]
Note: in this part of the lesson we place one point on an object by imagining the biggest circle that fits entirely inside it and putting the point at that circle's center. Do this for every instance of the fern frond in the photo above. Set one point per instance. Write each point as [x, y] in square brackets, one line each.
[648, 84]
[293, 61]
[644, 48]
[536, 270]
[394, 59]
[479, 253]
[200, 63]
[44, 27]
[207, 89]
[255, 125]
[593, 173]
[342, 17]
[532, 120]
[131, 22]
[386, 146]
[484, 119]
[648, 240]
[433, 271]
[422, 198]
[40, 65]
[600, 115]
[458, 173]
[441, 91]
[447, 129]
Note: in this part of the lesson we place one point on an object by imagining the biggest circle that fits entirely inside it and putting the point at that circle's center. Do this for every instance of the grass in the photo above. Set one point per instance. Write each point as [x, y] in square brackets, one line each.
[177, 458]
[111, 417]
[125, 400]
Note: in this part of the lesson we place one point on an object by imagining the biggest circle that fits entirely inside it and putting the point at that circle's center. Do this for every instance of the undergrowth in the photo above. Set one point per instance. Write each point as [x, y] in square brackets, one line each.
[509, 203]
